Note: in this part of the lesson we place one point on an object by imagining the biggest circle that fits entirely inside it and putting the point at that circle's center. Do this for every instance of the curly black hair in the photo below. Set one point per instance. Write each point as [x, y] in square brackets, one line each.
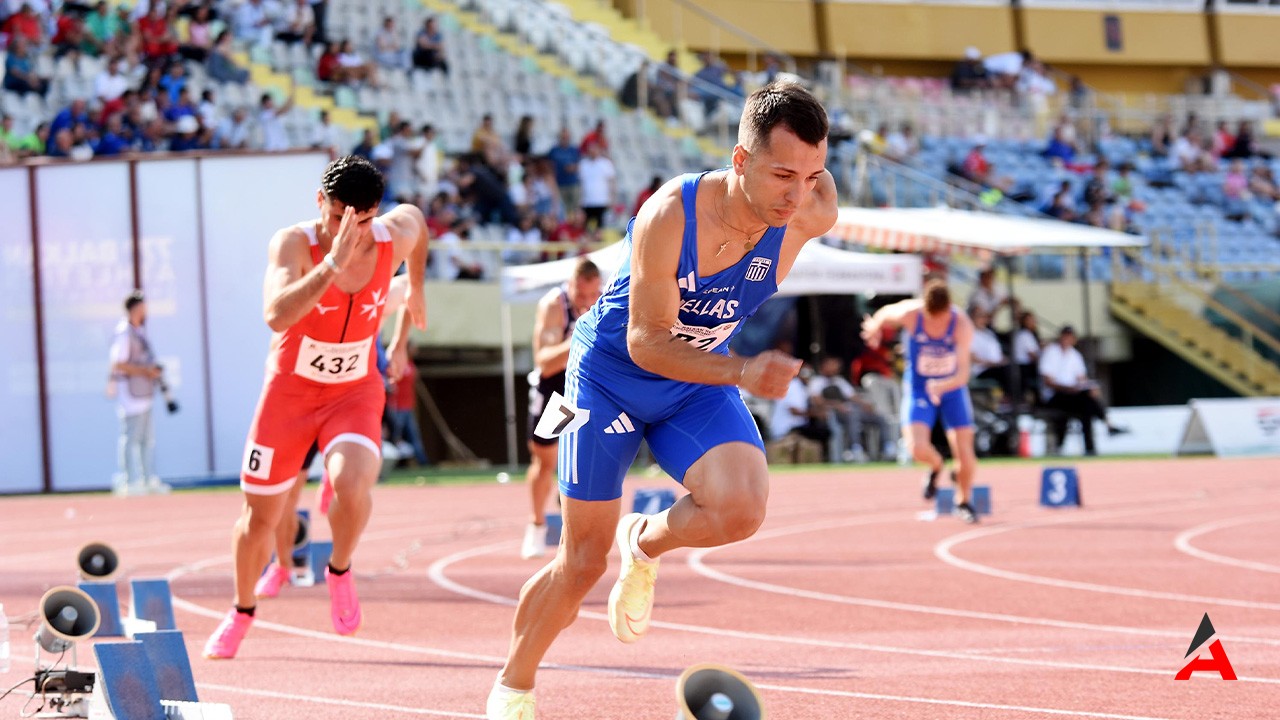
[353, 181]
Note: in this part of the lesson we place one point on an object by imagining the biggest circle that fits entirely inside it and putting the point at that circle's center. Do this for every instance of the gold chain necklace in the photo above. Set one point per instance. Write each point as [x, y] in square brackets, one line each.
[747, 243]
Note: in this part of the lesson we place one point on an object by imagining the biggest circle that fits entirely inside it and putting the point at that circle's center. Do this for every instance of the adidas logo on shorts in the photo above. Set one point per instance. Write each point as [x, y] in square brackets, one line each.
[621, 425]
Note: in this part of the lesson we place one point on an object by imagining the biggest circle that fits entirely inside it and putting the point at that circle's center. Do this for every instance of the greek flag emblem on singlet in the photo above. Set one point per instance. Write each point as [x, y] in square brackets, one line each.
[759, 268]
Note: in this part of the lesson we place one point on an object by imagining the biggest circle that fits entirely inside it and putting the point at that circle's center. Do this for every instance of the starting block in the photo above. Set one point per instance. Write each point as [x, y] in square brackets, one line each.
[320, 552]
[303, 574]
[1060, 487]
[151, 599]
[979, 498]
[128, 686]
[555, 523]
[650, 501]
[104, 595]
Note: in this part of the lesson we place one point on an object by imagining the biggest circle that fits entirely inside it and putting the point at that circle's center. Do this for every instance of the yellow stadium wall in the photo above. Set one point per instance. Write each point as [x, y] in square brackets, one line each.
[1249, 40]
[1077, 36]
[787, 25]
[892, 31]
[1134, 78]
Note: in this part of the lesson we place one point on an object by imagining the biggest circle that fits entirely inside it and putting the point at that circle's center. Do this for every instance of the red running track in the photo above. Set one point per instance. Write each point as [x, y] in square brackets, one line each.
[844, 605]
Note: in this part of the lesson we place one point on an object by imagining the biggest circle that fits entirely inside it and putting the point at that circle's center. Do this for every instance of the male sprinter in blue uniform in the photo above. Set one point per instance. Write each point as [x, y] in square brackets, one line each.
[651, 361]
[936, 379]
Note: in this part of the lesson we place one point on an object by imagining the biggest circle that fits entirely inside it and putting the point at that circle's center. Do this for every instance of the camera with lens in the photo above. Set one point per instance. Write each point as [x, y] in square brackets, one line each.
[169, 401]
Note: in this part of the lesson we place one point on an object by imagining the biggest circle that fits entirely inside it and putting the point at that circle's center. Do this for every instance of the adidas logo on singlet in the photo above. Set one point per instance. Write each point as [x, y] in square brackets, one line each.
[621, 425]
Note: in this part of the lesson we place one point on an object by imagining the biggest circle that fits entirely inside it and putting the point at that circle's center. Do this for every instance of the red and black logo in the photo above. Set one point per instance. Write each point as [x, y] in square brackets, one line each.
[1217, 660]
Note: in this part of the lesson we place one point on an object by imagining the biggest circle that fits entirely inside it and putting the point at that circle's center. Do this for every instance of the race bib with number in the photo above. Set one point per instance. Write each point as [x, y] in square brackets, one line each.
[705, 339]
[333, 363]
[936, 365]
[560, 418]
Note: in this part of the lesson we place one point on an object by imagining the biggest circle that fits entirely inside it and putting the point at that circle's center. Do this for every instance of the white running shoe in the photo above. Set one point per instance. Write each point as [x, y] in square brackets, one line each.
[631, 600]
[507, 704]
[535, 541]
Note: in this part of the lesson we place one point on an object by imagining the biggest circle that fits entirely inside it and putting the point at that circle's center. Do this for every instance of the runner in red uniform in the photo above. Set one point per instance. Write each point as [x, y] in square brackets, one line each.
[325, 290]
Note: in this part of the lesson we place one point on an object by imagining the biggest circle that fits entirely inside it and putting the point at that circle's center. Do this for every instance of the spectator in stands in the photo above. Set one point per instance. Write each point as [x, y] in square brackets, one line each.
[988, 297]
[20, 69]
[712, 81]
[174, 81]
[1244, 146]
[1003, 69]
[428, 48]
[1097, 189]
[406, 147]
[110, 85]
[629, 94]
[270, 121]
[318, 12]
[18, 146]
[388, 49]
[220, 66]
[901, 145]
[429, 163]
[772, 66]
[234, 132]
[1059, 149]
[975, 165]
[834, 397]
[69, 34]
[185, 134]
[1262, 183]
[1062, 205]
[101, 28]
[25, 24]
[74, 118]
[480, 185]
[297, 23]
[988, 359]
[573, 229]
[598, 175]
[485, 141]
[159, 41]
[646, 193]
[544, 198]
[1190, 154]
[198, 40]
[154, 137]
[1222, 139]
[327, 136]
[596, 136]
[1067, 387]
[565, 157]
[522, 143]
[449, 258]
[364, 148]
[1026, 355]
[1235, 191]
[668, 83]
[354, 67]
[252, 24]
[792, 414]
[1162, 136]
[1122, 185]
[970, 74]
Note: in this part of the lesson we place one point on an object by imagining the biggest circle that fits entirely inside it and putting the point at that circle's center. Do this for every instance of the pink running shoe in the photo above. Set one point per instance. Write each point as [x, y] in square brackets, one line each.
[272, 580]
[344, 606]
[326, 493]
[225, 641]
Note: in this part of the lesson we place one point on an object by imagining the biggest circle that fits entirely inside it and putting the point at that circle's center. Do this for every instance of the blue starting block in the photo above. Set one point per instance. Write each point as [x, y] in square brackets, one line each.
[1060, 487]
[320, 552]
[108, 601]
[979, 498]
[302, 540]
[151, 599]
[555, 523]
[651, 501]
[127, 681]
[172, 668]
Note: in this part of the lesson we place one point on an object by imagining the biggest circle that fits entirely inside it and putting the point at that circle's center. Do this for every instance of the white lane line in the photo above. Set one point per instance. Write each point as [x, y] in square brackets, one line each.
[437, 574]
[334, 701]
[1183, 543]
[696, 562]
[955, 703]
[943, 552]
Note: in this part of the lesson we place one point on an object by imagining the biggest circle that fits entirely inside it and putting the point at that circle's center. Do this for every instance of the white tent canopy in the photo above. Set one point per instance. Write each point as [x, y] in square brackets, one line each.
[945, 230]
[818, 270]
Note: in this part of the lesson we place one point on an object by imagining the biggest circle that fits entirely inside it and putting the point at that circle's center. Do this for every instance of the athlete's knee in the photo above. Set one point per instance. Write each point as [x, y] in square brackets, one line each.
[739, 519]
[581, 567]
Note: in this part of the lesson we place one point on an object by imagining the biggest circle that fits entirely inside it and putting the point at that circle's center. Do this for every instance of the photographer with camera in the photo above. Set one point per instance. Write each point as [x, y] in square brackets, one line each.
[135, 377]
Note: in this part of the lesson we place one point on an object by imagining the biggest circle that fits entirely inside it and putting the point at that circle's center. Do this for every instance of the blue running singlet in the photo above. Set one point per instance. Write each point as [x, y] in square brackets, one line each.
[929, 358]
[681, 421]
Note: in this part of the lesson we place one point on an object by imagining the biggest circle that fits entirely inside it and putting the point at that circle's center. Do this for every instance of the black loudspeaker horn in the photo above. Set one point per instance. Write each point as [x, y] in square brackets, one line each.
[67, 615]
[715, 692]
[97, 562]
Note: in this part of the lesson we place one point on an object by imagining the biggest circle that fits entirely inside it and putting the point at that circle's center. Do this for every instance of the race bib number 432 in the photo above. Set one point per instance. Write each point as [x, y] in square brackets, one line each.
[333, 363]
[705, 339]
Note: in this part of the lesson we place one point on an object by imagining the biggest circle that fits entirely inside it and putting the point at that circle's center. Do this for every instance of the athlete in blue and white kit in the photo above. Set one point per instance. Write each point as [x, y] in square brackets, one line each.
[938, 340]
[651, 361]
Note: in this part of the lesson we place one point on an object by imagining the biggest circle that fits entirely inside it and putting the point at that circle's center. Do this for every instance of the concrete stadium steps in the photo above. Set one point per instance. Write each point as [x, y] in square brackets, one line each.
[627, 30]
[1153, 312]
[261, 75]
